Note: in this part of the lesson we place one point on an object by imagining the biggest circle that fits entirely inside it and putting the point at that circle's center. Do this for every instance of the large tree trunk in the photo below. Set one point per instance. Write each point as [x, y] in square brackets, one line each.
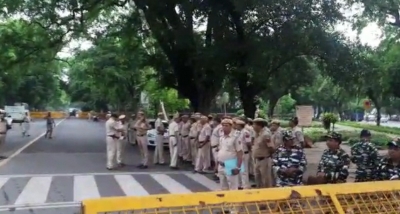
[271, 106]
[247, 96]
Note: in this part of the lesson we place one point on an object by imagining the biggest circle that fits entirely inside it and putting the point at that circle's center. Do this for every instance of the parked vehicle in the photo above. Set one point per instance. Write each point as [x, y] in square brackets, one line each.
[384, 118]
[152, 134]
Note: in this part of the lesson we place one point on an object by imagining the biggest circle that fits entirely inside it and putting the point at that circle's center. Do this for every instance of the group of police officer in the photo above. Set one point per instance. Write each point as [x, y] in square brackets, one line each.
[273, 155]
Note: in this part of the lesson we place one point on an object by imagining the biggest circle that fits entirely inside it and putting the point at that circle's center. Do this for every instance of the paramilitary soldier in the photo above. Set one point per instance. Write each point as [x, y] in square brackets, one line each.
[334, 164]
[389, 166]
[289, 162]
[365, 155]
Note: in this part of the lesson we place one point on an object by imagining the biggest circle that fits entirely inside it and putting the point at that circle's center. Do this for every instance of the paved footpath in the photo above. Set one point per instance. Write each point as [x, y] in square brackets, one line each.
[54, 175]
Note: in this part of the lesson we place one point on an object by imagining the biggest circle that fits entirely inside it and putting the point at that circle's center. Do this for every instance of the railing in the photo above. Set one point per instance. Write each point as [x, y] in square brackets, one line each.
[349, 198]
[54, 114]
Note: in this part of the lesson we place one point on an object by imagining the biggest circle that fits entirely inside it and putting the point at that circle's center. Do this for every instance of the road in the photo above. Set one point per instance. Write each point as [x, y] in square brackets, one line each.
[54, 175]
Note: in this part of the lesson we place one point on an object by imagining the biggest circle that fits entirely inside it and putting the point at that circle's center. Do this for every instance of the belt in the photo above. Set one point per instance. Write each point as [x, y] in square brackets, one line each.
[214, 146]
[113, 136]
[185, 136]
[172, 135]
[192, 138]
[141, 135]
[246, 152]
[260, 159]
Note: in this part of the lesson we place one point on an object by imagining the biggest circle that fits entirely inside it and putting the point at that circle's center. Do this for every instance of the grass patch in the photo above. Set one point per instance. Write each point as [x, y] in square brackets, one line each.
[382, 129]
[285, 124]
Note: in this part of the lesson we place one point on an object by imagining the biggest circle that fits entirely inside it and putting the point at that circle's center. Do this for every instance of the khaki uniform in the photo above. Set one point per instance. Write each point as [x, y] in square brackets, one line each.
[120, 146]
[193, 142]
[215, 136]
[3, 133]
[185, 130]
[298, 136]
[131, 131]
[245, 141]
[251, 159]
[26, 125]
[159, 151]
[262, 159]
[203, 161]
[173, 130]
[229, 145]
[277, 139]
[141, 135]
[112, 138]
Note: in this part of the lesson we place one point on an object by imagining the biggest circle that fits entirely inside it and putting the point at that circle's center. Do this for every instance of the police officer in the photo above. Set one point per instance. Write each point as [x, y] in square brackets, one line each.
[132, 131]
[365, 155]
[335, 162]
[215, 136]
[187, 157]
[289, 162]
[173, 130]
[159, 150]
[202, 161]
[229, 148]
[113, 130]
[4, 127]
[192, 138]
[298, 134]
[249, 126]
[245, 141]
[141, 127]
[389, 166]
[26, 125]
[120, 147]
[276, 131]
[262, 150]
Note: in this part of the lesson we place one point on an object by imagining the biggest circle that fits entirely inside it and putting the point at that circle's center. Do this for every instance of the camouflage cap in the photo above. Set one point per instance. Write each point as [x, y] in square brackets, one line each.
[365, 133]
[287, 135]
[335, 136]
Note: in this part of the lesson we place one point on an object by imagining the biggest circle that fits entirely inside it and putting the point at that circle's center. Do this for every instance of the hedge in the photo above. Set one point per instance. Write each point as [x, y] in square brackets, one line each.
[285, 124]
[352, 137]
[382, 129]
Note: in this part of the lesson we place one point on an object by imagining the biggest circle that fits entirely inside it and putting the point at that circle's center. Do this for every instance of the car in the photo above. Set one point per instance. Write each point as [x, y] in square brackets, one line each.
[152, 134]
[384, 119]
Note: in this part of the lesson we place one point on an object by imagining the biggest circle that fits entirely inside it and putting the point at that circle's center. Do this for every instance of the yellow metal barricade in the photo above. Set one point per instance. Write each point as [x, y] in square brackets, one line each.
[350, 198]
[43, 114]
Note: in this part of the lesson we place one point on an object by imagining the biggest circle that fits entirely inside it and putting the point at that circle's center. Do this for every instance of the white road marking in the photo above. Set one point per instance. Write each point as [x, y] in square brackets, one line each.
[5, 161]
[130, 186]
[199, 178]
[3, 181]
[85, 187]
[35, 191]
[170, 184]
[96, 173]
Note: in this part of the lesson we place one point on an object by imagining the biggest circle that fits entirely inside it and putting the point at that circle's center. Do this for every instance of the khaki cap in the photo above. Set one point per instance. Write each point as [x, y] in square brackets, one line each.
[277, 122]
[259, 120]
[250, 119]
[240, 122]
[160, 114]
[197, 113]
[203, 117]
[140, 112]
[185, 116]
[121, 117]
[227, 121]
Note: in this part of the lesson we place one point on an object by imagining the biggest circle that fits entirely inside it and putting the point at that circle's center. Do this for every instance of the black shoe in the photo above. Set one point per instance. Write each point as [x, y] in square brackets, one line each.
[174, 167]
[109, 168]
[143, 167]
[139, 166]
[3, 157]
[121, 165]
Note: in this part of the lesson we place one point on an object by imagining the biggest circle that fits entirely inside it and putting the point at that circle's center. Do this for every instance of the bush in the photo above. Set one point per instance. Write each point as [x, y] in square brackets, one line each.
[328, 119]
[383, 129]
[352, 137]
[285, 124]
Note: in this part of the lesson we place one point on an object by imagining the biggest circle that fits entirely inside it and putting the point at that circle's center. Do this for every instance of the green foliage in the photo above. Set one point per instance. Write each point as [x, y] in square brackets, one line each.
[382, 129]
[328, 119]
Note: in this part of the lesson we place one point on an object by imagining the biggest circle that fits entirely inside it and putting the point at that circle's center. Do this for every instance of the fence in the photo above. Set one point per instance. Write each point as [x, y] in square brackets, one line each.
[348, 198]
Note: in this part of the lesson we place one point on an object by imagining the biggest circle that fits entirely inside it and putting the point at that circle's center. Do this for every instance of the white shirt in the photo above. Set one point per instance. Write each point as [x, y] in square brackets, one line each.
[216, 135]
[111, 127]
[173, 128]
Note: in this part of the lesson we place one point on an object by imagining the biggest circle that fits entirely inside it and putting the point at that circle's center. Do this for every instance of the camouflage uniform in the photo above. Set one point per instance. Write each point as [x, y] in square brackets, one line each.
[285, 158]
[386, 169]
[365, 155]
[334, 164]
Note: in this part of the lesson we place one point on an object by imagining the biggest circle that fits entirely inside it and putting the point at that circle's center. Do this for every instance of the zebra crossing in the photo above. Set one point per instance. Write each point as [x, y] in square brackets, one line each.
[59, 189]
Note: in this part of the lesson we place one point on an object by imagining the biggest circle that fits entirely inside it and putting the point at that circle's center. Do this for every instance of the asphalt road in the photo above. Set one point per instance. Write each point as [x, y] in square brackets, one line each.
[55, 175]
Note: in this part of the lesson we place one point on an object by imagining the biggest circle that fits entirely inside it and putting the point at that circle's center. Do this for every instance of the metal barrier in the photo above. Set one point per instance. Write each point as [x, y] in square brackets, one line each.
[43, 114]
[349, 198]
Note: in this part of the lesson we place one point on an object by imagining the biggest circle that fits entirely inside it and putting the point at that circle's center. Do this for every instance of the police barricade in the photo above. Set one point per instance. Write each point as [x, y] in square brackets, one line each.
[347, 198]
[43, 114]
